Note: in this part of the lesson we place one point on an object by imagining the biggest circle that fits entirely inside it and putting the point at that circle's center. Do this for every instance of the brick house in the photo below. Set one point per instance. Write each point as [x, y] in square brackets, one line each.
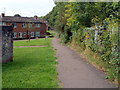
[25, 27]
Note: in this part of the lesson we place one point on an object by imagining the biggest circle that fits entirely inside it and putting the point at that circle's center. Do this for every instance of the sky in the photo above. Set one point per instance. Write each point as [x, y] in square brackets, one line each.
[25, 8]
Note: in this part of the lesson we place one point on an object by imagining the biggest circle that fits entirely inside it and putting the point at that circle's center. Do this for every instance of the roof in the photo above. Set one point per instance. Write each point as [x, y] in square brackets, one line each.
[19, 19]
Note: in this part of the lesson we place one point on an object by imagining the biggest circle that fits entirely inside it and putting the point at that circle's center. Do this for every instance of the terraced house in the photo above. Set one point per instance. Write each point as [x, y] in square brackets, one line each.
[25, 27]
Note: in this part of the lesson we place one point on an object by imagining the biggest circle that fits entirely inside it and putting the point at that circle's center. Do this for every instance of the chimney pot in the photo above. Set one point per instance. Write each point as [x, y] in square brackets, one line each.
[3, 14]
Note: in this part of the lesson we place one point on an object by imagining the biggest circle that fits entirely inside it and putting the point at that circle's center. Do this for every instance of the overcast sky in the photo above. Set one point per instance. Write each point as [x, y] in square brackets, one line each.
[26, 7]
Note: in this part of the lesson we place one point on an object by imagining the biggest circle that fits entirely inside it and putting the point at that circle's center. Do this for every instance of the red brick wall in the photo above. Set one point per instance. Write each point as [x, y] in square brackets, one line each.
[42, 29]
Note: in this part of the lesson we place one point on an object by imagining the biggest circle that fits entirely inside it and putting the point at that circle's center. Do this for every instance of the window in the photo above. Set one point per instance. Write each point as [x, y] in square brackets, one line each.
[14, 25]
[37, 34]
[30, 25]
[32, 34]
[2, 23]
[24, 33]
[37, 25]
[28, 33]
[24, 25]
[14, 35]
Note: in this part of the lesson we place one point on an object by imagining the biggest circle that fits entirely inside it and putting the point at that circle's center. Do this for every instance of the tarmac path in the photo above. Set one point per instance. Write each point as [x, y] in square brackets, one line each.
[74, 72]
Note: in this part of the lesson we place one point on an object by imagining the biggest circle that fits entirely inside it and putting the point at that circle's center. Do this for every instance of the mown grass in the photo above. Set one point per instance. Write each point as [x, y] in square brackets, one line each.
[36, 42]
[33, 67]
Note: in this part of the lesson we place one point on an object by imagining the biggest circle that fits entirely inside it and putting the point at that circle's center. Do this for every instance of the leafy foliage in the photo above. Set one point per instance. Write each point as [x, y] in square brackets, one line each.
[91, 25]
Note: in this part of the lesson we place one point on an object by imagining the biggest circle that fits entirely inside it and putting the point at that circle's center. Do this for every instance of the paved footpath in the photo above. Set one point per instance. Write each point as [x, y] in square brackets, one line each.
[74, 72]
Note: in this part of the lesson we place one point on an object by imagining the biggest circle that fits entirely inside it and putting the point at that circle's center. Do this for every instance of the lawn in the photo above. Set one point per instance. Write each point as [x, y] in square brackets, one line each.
[36, 42]
[33, 67]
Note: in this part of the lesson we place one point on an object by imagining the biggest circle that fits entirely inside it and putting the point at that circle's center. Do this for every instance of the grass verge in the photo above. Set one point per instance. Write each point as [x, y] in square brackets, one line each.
[33, 67]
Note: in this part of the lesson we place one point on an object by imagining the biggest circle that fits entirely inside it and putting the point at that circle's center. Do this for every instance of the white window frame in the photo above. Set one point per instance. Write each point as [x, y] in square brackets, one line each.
[37, 34]
[24, 25]
[28, 33]
[14, 34]
[2, 23]
[30, 25]
[32, 34]
[15, 25]
[37, 25]
[25, 33]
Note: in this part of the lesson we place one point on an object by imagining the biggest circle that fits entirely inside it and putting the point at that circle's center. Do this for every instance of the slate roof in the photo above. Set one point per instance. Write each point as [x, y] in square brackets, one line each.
[19, 19]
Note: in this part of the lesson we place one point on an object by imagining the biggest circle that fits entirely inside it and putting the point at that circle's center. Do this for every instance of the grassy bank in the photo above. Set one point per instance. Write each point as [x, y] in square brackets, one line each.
[32, 67]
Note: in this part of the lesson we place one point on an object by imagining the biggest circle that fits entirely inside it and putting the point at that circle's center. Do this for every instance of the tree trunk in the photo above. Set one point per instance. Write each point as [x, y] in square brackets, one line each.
[29, 36]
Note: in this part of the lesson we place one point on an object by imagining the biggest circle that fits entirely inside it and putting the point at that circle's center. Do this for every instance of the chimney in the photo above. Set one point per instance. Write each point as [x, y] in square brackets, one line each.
[3, 14]
[35, 17]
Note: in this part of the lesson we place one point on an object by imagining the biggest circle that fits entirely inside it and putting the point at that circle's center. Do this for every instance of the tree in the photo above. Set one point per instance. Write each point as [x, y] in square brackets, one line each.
[29, 26]
[17, 15]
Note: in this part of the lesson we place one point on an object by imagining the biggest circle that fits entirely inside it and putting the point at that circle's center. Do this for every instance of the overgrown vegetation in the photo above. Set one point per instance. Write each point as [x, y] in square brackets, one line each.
[92, 26]
[33, 67]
